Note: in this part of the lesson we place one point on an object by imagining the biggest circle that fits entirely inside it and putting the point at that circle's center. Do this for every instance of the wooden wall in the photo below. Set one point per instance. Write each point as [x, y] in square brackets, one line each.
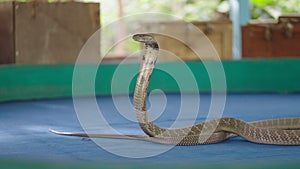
[219, 34]
[47, 33]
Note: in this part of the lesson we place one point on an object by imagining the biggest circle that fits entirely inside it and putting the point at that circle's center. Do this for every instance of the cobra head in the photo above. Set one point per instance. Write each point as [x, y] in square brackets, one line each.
[148, 39]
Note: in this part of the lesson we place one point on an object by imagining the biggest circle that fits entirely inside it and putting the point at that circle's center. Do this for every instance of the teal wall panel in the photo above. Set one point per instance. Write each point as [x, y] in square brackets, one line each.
[18, 82]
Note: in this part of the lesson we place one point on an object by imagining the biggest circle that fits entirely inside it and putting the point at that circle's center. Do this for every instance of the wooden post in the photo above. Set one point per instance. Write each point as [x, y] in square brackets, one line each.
[7, 47]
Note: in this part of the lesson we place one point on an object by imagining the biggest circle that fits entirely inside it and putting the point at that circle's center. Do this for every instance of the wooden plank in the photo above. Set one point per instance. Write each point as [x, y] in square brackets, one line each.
[219, 34]
[7, 55]
[49, 33]
[271, 39]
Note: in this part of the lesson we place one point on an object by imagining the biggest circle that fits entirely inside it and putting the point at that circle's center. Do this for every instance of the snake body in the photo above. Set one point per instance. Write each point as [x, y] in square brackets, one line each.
[275, 131]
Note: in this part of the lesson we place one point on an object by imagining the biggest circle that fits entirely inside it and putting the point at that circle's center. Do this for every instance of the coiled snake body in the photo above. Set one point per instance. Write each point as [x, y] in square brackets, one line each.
[275, 131]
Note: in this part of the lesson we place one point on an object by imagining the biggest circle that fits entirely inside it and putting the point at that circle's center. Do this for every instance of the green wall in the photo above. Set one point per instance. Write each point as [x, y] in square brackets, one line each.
[22, 164]
[18, 82]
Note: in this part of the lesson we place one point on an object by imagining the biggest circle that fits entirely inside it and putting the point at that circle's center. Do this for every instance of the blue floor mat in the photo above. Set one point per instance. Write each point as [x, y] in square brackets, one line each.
[24, 131]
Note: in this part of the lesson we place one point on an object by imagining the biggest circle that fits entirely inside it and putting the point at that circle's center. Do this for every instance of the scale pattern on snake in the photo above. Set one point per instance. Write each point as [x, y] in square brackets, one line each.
[191, 135]
[274, 131]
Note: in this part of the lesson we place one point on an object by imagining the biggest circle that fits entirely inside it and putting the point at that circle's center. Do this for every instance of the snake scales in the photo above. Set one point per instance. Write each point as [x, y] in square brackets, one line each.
[275, 131]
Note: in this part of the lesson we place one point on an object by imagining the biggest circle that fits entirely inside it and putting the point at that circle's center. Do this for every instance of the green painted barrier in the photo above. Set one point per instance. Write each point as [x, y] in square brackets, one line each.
[19, 82]
[21, 164]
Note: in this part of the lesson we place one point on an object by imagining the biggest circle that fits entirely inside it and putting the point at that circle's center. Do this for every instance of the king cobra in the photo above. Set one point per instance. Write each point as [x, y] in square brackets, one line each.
[275, 131]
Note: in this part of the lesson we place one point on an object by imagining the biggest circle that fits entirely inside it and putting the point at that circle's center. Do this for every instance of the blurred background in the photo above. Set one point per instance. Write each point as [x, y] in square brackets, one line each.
[41, 32]
[221, 20]
[40, 41]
